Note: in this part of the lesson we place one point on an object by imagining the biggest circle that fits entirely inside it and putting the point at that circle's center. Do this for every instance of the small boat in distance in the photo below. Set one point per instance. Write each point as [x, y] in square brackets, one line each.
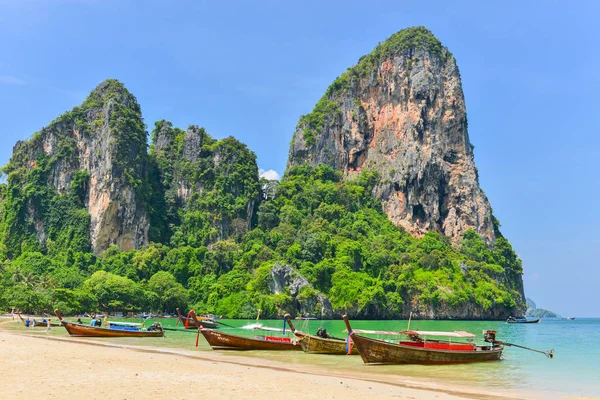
[418, 349]
[115, 329]
[513, 320]
[193, 322]
[322, 343]
[569, 318]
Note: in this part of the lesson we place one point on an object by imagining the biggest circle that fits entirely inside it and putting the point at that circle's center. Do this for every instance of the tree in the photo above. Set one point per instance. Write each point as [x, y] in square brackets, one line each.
[170, 293]
[113, 292]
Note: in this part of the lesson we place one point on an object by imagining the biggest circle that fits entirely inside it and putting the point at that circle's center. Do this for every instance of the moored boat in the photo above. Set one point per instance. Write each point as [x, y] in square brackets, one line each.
[513, 320]
[316, 344]
[219, 340]
[198, 322]
[42, 323]
[419, 350]
[115, 329]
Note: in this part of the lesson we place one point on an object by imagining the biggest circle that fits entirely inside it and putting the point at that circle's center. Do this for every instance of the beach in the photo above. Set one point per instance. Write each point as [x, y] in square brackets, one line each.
[36, 361]
[34, 366]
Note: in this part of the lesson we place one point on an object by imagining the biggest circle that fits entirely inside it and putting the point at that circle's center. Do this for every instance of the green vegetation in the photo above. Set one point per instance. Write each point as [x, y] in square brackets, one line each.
[217, 231]
[330, 231]
[221, 181]
[541, 313]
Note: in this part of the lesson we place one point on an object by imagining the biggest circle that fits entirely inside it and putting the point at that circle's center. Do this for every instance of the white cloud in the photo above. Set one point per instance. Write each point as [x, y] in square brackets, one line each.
[10, 80]
[270, 174]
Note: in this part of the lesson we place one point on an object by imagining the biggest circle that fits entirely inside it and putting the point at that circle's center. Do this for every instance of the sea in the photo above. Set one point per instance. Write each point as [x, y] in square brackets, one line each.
[574, 372]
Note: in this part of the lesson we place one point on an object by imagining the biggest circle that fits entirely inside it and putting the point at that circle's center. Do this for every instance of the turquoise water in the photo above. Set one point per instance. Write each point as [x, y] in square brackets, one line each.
[574, 371]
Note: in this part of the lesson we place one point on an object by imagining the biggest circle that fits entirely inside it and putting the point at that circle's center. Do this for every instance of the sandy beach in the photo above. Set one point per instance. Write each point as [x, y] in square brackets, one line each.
[38, 365]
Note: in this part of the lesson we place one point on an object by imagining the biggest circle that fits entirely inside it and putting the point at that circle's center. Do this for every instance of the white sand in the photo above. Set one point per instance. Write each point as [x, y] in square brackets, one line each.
[33, 366]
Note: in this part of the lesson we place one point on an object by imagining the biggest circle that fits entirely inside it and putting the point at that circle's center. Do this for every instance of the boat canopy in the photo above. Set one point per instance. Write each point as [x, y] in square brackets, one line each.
[124, 323]
[375, 332]
[436, 333]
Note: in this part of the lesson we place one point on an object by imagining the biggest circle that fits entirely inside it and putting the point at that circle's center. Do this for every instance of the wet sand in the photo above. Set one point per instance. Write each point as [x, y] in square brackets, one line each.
[40, 365]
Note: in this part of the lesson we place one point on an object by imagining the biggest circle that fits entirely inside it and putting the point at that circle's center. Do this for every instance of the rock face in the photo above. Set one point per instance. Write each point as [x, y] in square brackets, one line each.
[310, 303]
[86, 182]
[205, 177]
[100, 145]
[401, 112]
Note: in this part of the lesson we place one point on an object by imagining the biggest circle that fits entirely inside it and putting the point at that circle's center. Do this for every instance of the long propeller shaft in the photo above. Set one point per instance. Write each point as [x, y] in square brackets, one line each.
[549, 353]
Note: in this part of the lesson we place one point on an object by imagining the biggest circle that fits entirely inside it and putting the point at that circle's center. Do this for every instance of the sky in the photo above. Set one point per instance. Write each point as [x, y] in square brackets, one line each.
[250, 68]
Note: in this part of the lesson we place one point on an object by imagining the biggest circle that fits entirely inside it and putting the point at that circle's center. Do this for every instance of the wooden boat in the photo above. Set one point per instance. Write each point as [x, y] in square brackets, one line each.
[219, 340]
[513, 320]
[419, 350]
[195, 323]
[116, 329]
[315, 344]
[37, 323]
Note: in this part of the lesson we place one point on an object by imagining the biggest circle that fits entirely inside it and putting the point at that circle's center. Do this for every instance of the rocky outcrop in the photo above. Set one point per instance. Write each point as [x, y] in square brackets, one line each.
[401, 112]
[284, 276]
[534, 312]
[201, 174]
[307, 301]
[101, 145]
[463, 311]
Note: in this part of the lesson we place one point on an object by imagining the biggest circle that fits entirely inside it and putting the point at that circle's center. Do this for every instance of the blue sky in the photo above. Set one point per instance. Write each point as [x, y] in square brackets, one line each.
[250, 69]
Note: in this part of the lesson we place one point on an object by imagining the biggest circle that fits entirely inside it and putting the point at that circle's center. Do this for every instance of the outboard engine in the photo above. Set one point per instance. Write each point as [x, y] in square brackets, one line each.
[489, 336]
[155, 327]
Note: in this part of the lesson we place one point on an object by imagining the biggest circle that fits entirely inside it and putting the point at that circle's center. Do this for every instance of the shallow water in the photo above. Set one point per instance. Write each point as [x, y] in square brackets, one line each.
[574, 371]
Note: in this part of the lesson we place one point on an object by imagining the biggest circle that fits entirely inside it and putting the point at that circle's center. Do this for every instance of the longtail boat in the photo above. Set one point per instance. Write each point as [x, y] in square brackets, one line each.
[115, 329]
[195, 323]
[315, 344]
[513, 320]
[225, 341]
[419, 350]
[219, 340]
[34, 323]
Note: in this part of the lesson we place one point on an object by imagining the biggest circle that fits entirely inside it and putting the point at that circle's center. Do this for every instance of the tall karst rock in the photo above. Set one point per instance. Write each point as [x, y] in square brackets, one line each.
[210, 188]
[401, 111]
[80, 182]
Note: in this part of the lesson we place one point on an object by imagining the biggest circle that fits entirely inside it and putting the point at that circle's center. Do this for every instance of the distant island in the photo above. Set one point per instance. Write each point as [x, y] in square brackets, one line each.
[379, 213]
[534, 312]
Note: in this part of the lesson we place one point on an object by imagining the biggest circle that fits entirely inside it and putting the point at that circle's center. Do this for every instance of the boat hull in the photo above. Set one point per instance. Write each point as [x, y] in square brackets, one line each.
[205, 324]
[37, 324]
[533, 321]
[193, 322]
[93, 331]
[317, 345]
[40, 324]
[374, 351]
[224, 341]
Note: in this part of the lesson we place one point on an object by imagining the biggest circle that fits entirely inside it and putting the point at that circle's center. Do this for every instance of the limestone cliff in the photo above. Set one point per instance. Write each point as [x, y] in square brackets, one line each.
[401, 111]
[79, 182]
[211, 187]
